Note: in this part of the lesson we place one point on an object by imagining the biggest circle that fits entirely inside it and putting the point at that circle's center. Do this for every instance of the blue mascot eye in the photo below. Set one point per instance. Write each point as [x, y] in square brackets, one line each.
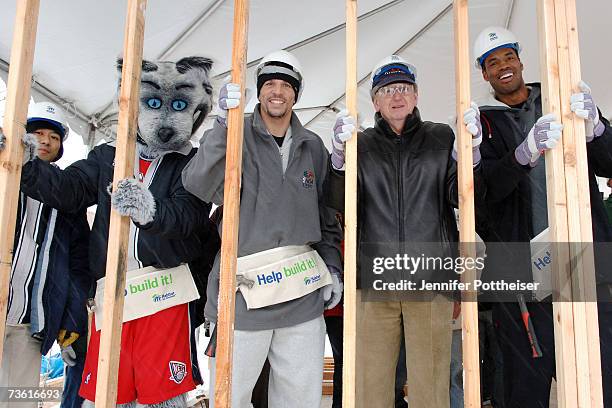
[154, 103]
[179, 105]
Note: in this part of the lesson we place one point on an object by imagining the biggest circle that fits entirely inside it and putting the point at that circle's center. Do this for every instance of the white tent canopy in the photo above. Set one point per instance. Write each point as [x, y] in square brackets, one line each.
[79, 41]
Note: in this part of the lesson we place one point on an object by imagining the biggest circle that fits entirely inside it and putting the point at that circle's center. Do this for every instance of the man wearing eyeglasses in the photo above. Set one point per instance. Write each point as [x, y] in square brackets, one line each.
[407, 188]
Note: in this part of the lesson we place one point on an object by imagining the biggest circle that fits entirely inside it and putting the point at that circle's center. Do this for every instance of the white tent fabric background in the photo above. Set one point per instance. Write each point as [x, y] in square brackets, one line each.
[79, 41]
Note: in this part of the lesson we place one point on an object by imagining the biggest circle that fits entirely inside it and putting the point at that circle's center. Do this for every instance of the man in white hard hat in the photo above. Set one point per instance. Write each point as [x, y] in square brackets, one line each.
[515, 136]
[49, 274]
[407, 188]
[288, 247]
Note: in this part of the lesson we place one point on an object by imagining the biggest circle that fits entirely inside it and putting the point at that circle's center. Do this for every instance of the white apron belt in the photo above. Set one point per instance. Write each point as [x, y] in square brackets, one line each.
[281, 274]
[150, 290]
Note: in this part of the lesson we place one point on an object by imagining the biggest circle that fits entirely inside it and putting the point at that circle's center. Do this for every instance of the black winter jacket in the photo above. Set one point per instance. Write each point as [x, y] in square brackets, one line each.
[407, 188]
[177, 234]
[508, 202]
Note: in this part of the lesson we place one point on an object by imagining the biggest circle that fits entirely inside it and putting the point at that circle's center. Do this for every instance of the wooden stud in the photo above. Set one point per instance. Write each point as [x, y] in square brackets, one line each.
[16, 112]
[118, 236]
[231, 214]
[584, 287]
[576, 326]
[467, 223]
[350, 222]
[557, 214]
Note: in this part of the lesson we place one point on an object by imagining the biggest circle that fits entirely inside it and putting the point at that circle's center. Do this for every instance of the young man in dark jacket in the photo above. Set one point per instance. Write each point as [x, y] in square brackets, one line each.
[406, 191]
[515, 138]
[49, 275]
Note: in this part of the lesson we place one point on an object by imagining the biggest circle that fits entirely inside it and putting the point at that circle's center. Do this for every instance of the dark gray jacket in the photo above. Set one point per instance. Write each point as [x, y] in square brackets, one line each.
[276, 209]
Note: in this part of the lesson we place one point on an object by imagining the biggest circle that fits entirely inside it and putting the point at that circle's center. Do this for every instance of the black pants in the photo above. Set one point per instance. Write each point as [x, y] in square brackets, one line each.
[527, 380]
[335, 327]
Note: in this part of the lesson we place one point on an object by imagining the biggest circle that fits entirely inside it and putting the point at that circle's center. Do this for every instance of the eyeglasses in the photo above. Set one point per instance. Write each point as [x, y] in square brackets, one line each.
[389, 91]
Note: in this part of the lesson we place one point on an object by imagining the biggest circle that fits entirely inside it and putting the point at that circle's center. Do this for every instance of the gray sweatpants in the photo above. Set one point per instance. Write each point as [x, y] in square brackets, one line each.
[296, 365]
[20, 362]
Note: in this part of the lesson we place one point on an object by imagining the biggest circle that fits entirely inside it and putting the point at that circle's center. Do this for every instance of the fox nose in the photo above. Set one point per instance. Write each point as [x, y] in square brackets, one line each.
[165, 134]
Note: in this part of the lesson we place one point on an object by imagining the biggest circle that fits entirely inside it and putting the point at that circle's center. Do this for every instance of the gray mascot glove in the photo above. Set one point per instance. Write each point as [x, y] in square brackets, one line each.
[544, 135]
[229, 98]
[134, 200]
[343, 131]
[584, 107]
[332, 294]
[69, 356]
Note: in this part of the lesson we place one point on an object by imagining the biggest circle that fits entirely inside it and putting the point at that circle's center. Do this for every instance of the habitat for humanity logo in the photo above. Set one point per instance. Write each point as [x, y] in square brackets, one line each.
[274, 277]
[308, 179]
[163, 296]
[312, 279]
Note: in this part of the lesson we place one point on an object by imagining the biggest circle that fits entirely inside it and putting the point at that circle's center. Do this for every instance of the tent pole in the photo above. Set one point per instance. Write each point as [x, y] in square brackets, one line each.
[350, 218]
[231, 213]
[17, 98]
[467, 224]
[116, 262]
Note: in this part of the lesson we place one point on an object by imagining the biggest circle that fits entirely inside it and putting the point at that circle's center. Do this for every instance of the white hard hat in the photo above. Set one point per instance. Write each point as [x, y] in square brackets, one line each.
[284, 65]
[50, 113]
[490, 39]
[391, 69]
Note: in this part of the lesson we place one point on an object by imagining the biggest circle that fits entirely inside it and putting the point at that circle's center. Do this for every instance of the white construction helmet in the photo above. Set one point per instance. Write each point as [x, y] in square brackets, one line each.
[280, 65]
[49, 113]
[391, 69]
[490, 39]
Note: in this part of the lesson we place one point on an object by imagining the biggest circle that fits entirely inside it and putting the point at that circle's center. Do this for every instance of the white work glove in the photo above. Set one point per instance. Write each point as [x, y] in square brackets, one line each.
[544, 135]
[471, 120]
[343, 130]
[584, 107]
[241, 280]
[30, 145]
[333, 293]
[69, 356]
[229, 98]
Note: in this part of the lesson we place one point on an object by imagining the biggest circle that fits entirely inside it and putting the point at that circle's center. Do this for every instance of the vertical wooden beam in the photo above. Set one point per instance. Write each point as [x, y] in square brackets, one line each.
[350, 221]
[231, 214]
[116, 261]
[16, 112]
[467, 223]
[584, 284]
[576, 325]
[567, 394]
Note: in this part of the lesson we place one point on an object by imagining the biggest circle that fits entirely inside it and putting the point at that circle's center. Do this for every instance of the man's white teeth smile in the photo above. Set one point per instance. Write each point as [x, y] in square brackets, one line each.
[507, 75]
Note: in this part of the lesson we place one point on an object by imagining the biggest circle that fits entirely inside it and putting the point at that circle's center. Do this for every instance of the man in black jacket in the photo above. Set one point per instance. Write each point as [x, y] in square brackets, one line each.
[515, 137]
[49, 272]
[407, 188]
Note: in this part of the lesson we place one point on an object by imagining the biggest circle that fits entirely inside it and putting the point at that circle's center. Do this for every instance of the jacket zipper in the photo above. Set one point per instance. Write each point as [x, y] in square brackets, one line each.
[400, 195]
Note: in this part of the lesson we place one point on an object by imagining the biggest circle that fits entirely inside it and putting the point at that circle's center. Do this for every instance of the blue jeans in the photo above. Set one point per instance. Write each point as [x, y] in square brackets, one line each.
[72, 376]
[456, 371]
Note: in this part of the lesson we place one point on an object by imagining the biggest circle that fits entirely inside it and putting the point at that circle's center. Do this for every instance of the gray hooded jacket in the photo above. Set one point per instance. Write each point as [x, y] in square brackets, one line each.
[281, 204]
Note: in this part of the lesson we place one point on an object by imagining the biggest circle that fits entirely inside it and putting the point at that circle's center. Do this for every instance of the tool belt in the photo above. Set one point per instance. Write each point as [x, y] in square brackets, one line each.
[280, 274]
[150, 290]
